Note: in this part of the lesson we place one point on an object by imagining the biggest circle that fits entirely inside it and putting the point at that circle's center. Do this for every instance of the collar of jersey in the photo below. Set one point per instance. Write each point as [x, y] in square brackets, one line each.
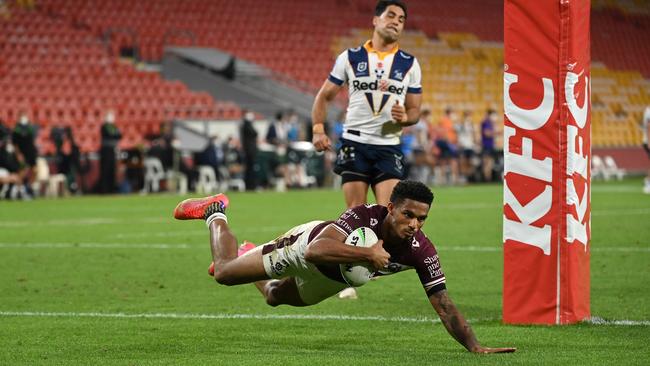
[380, 54]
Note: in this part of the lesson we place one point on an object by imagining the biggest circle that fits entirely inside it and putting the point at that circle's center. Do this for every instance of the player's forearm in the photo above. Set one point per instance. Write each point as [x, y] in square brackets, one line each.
[319, 110]
[412, 116]
[454, 321]
[327, 251]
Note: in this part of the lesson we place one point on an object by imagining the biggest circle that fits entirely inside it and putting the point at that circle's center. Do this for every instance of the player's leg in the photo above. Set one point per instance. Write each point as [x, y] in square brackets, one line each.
[383, 190]
[354, 169]
[228, 268]
[281, 292]
[355, 193]
[388, 170]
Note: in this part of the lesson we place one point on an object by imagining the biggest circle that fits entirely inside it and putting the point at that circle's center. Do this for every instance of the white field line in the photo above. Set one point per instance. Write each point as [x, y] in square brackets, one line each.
[457, 248]
[97, 245]
[89, 221]
[399, 319]
[203, 233]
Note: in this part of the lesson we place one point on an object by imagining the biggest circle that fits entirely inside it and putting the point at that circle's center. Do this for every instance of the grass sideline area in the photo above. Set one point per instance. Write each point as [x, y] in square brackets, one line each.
[116, 281]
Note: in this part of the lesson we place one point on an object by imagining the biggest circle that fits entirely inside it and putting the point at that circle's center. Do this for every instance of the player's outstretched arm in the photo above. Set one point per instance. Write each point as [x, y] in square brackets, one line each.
[457, 326]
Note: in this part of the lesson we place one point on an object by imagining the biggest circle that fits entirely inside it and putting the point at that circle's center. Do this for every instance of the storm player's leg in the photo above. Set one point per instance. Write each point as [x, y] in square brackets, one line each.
[355, 193]
[383, 190]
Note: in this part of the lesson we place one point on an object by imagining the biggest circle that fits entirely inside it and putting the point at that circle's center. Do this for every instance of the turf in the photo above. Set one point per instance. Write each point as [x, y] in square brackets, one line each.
[72, 260]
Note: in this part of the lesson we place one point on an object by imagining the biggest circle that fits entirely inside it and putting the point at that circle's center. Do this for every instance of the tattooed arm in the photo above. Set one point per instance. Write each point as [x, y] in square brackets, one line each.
[457, 326]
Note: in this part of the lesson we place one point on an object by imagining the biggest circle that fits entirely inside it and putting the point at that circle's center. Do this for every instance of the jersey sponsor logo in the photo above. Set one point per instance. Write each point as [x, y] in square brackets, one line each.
[398, 75]
[431, 260]
[344, 225]
[375, 85]
[349, 213]
[434, 269]
[398, 162]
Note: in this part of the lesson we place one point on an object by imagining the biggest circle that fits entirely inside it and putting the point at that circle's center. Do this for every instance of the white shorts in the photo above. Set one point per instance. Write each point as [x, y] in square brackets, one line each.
[285, 257]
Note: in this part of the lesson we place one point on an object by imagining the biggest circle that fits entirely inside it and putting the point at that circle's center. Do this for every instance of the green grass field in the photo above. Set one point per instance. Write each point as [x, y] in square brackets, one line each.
[114, 280]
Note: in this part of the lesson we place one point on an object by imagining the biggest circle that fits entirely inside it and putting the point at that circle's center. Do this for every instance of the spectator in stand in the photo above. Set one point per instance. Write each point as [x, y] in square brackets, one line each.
[421, 146]
[23, 139]
[9, 167]
[487, 144]
[212, 156]
[446, 143]
[69, 159]
[248, 137]
[277, 136]
[110, 138]
[162, 147]
[466, 145]
[133, 160]
[234, 158]
[277, 132]
[295, 130]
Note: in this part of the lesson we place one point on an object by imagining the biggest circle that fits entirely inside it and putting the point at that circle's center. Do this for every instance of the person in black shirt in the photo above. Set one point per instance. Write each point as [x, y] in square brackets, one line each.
[23, 138]
[248, 137]
[110, 138]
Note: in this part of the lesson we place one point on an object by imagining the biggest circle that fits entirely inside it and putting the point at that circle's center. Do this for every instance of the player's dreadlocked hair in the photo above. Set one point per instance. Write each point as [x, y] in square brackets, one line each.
[383, 4]
[412, 190]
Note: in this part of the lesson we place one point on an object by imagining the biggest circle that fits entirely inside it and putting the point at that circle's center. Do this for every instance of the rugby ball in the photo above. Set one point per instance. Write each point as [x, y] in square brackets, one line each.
[358, 274]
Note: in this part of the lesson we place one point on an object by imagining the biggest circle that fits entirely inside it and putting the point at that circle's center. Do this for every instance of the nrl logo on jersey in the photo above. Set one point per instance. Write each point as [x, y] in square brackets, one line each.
[362, 66]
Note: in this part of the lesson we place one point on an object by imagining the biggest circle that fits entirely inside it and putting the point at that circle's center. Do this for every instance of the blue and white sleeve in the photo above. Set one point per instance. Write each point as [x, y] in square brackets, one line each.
[338, 75]
[415, 81]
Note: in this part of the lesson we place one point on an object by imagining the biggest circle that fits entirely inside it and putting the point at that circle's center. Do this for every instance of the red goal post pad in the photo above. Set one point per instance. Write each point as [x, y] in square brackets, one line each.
[547, 152]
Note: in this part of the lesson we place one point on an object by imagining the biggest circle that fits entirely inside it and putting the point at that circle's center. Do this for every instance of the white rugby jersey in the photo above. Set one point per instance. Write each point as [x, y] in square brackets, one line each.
[376, 81]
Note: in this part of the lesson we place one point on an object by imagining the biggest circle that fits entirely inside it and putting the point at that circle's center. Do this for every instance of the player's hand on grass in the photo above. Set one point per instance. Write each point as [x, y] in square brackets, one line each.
[321, 142]
[398, 112]
[486, 350]
[379, 257]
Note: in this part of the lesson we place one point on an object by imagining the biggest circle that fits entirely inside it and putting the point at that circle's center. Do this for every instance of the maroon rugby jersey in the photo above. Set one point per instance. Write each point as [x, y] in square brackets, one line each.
[419, 254]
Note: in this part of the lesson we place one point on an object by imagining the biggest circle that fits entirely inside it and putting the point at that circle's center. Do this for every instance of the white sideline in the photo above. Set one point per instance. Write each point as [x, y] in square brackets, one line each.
[97, 245]
[451, 248]
[399, 319]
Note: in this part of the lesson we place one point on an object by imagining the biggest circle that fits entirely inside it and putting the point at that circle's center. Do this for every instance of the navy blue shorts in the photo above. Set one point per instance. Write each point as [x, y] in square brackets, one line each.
[368, 163]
